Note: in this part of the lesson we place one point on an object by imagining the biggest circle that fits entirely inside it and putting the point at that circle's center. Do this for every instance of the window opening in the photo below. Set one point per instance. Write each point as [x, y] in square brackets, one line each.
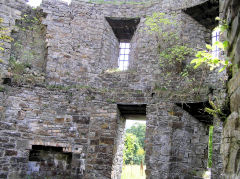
[124, 29]
[123, 60]
[215, 38]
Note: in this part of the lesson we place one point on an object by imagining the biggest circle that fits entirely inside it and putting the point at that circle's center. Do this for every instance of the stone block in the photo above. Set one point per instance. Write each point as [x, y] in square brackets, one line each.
[18, 159]
[81, 119]
[234, 83]
[59, 120]
[94, 142]
[3, 175]
[105, 140]
[235, 28]
[4, 139]
[234, 100]
[12, 134]
[177, 125]
[10, 153]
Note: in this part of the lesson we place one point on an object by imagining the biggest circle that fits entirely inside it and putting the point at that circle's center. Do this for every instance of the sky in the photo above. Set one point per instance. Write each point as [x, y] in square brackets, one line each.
[35, 3]
[130, 123]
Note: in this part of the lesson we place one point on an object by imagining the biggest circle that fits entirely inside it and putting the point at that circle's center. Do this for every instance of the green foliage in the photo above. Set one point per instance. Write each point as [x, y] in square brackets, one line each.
[158, 21]
[131, 148]
[177, 52]
[206, 57]
[210, 147]
[110, 100]
[2, 88]
[139, 131]
[19, 73]
[3, 33]
[133, 145]
[172, 51]
[4, 37]
[17, 67]
[215, 110]
[223, 26]
[29, 22]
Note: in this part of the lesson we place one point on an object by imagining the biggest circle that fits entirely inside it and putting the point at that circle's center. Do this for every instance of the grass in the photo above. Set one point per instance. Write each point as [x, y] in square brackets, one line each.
[133, 172]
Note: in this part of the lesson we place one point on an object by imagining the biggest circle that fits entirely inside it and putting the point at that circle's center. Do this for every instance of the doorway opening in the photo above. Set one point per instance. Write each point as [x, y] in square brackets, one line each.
[134, 149]
[129, 156]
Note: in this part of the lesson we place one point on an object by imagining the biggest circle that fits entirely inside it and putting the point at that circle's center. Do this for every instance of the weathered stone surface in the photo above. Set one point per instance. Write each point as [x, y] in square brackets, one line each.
[67, 100]
[230, 147]
[10, 152]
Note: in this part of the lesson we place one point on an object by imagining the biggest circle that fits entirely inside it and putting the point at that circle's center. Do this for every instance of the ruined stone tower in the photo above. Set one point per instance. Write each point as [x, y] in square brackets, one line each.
[63, 103]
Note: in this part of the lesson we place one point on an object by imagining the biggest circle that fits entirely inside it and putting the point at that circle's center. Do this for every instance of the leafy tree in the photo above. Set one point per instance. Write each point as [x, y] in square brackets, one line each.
[131, 148]
[139, 131]
[134, 144]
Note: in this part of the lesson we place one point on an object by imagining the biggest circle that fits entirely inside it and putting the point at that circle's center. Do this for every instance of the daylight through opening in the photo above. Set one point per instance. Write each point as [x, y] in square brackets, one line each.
[129, 152]
[123, 60]
[134, 150]
[215, 38]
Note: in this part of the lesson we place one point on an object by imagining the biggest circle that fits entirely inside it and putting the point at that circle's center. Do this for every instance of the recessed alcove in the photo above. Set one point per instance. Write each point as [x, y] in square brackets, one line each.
[123, 28]
[205, 13]
[49, 161]
[197, 111]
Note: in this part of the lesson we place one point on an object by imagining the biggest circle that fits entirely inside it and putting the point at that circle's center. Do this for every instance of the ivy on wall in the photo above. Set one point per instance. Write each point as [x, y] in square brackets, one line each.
[172, 50]
[174, 56]
[4, 37]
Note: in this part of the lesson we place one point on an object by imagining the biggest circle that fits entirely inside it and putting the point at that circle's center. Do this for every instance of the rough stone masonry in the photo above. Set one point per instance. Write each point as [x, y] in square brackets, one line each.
[60, 91]
[230, 140]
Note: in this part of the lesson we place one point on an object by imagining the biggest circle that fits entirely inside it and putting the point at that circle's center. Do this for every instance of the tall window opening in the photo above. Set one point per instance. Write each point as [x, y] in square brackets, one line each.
[215, 38]
[123, 60]
[124, 29]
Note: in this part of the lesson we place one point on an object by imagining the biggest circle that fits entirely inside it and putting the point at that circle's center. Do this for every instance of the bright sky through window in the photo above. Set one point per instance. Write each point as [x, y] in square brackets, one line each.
[215, 38]
[35, 3]
[123, 60]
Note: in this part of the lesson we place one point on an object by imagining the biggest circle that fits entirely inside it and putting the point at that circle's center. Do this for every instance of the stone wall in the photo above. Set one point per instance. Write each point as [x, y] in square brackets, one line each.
[38, 119]
[176, 143]
[217, 160]
[10, 11]
[29, 44]
[230, 141]
[73, 103]
[118, 148]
